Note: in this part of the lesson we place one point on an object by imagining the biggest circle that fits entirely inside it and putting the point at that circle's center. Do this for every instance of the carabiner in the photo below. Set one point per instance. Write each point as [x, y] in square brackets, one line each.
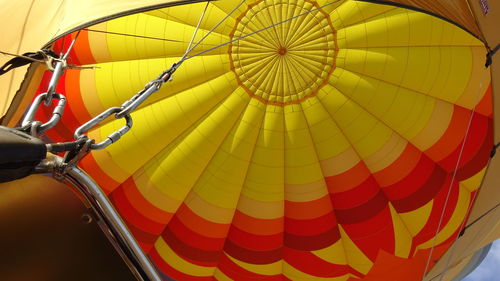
[79, 133]
[56, 113]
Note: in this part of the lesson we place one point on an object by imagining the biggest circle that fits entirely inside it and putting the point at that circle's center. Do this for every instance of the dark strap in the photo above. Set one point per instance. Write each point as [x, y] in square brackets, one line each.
[494, 150]
[20, 153]
[489, 55]
[21, 61]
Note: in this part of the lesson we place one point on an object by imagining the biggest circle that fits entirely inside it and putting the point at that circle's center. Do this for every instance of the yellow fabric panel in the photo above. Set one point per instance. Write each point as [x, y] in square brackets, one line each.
[387, 154]
[378, 98]
[455, 221]
[224, 176]
[228, 6]
[129, 47]
[102, 157]
[265, 177]
[100, 39]
[32, 24]
[185, 163]
[403, 28]
[402, 235]
[154, 195]
[261, 209]
[341, 163]
[329, 5]
[417, 219]
[91, 98]
[458, 11]
[355, 257]
[205, 209]
[333, 254]
[353, 12]
[328, 139]
[179, 263]
[184, 110]
[474, 183]
[364, 132]
[306, 192]
[264, 269]
[294, 274]
[450, 87]
[126, 79]
[301, 161]
[435, 127]
[220, 276]
[217, 145]
[479, 80]
[191, 15]
[438, 68]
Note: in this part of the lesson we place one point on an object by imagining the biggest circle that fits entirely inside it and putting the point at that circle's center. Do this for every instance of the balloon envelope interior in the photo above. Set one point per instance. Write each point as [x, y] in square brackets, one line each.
[327, 140]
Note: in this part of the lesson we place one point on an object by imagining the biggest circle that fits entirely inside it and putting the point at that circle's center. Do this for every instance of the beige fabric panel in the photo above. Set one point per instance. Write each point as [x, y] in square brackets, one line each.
[454, 271]
[487, 229]
[27, 25]
[489, 26]
[474, 239]
[481, 233]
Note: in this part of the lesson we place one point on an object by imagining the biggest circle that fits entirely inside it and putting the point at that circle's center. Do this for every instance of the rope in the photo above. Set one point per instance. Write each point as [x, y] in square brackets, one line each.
[21, 56]
[262, 29]
[480, 218]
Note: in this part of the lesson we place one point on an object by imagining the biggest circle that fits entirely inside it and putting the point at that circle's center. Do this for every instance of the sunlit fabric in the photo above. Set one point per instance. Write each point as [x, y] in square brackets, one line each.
[326, 146]
[29, 25]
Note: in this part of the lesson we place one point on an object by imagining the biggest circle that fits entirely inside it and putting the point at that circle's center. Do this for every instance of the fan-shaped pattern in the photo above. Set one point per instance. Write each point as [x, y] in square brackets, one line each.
[310, 150]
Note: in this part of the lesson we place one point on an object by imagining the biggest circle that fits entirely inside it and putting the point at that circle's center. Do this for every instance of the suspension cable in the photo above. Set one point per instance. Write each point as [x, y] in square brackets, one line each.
[215, 27]
[263, 29]
[462, 148]
[135, 101]
[195, 31]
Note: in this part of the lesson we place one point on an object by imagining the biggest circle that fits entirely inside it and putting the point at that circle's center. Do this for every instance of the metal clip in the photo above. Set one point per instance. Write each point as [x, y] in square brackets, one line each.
[73, 157]
[56, 113]
[151, 87]
[79, 133]
[54, 80]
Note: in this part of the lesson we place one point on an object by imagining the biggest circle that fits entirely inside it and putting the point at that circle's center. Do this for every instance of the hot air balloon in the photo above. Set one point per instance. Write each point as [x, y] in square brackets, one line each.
[296, 139]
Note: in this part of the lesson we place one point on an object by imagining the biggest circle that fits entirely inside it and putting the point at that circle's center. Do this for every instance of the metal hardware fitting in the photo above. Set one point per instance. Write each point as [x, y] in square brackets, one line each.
[29, 119]
[152, 87]
[79, 133]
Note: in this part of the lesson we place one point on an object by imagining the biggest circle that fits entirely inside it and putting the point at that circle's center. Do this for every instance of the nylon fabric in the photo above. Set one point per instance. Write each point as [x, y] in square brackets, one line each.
[322, 148]
[33, 24]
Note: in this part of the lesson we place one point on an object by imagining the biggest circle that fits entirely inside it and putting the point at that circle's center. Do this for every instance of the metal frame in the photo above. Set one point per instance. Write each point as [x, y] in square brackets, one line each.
[106, 216]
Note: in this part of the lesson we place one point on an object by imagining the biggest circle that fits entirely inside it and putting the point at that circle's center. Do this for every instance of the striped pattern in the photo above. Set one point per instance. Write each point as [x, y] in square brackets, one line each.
[217, 181]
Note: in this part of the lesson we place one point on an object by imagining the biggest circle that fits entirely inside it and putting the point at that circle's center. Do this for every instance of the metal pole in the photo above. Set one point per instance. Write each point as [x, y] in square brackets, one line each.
[108, 219]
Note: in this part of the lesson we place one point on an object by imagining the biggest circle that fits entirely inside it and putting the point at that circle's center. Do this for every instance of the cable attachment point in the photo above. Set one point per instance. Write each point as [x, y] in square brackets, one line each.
[57, 72]
[73, 157]
[494, 150]
[79, 133]
[153, 86]
[489, 55]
